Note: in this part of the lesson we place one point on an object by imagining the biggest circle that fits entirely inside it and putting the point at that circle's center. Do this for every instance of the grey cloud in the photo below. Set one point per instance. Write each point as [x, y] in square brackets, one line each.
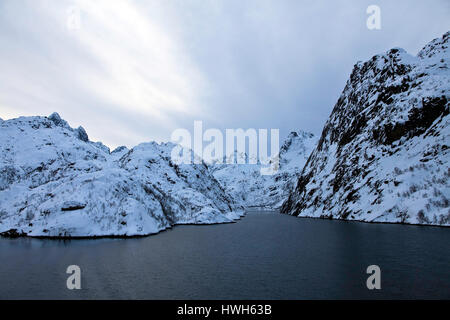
[141, 71]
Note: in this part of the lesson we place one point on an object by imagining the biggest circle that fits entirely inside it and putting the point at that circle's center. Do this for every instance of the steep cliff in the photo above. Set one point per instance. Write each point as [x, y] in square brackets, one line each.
[383, 154]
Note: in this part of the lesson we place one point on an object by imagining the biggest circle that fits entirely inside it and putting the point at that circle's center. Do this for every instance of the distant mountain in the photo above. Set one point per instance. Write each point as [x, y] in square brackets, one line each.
[54, 182]
[248, 187]
[384, 152]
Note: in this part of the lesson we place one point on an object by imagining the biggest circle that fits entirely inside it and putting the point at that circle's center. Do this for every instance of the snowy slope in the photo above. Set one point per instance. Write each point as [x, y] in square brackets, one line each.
[245, 183]
[55, 182]
[384, 152]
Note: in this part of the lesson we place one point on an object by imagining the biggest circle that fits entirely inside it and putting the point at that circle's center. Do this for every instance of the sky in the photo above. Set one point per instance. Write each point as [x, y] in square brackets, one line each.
[134, 71]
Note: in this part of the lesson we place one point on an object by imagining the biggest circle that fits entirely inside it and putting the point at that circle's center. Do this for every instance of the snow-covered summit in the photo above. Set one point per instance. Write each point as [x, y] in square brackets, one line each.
[55, 182]
[383, 154]
[245, 183]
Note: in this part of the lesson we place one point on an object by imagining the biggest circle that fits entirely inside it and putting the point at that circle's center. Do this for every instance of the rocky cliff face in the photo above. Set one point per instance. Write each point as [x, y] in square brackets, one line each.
[248, 187]
[54, 182]
[384, 152]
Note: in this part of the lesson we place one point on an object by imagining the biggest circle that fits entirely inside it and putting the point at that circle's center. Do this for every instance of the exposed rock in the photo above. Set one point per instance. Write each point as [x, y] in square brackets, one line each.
[56, 119]
[72, 205]
[12, 233]
[383, 154]
[82, 135]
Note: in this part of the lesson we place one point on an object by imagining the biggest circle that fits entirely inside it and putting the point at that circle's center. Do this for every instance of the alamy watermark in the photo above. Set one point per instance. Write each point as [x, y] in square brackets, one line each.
[241, 146]
[374, 280]
[74, 280]
[73, 21]
[374, 20]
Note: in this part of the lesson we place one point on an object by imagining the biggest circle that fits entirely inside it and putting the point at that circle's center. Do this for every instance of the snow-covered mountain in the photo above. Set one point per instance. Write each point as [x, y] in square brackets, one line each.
[247, 186]
[384, 152]
[55, 182]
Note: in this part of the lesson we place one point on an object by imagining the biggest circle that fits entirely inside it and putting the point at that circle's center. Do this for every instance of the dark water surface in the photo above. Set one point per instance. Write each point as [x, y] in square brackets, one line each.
[263, 256]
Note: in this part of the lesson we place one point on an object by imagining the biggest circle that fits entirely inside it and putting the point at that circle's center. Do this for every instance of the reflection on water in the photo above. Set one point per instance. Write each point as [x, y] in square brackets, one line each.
[263, 256]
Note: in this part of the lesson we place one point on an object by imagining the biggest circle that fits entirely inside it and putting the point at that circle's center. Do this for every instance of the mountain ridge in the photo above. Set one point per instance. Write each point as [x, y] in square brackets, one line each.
[248, 187]
[55, 182]
[383, 153]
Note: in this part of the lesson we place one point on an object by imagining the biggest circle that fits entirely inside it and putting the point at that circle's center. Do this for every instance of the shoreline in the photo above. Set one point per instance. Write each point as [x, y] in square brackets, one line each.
[247, 211]
[119, 236]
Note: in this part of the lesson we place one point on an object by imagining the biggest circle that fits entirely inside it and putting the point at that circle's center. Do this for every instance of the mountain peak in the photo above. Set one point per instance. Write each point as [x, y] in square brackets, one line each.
[299, 133]
[57, 120]
[382, 150]
[82, 134]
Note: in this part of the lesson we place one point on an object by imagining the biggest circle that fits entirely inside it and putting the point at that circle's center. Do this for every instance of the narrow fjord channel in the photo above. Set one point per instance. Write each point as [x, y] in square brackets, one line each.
[266, 255]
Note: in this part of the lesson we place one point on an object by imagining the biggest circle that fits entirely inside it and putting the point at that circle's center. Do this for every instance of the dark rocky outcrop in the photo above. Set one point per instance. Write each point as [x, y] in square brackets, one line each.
[383, 153]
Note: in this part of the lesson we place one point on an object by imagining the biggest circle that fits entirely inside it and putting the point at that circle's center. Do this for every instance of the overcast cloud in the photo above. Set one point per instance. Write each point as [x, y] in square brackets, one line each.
[136, 70]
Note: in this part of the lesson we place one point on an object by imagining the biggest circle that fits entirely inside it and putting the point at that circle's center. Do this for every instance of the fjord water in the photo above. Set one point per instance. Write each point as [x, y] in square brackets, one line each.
[264, 256]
